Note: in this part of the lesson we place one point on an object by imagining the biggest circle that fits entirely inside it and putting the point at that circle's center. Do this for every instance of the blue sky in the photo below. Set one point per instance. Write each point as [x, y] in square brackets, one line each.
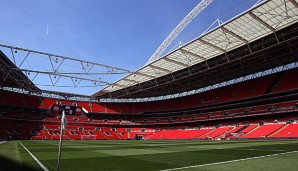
[121, 33]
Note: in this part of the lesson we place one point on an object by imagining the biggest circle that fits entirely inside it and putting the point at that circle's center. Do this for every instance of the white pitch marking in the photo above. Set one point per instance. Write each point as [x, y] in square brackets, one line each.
[254, 149]
[249, 149]
[38, 162]
[2, 142]
[230, 161]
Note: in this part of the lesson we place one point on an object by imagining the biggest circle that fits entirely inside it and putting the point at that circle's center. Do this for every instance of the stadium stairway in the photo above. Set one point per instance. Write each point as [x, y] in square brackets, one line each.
[195, 133]
[288, 132]
[220, 131]
[99, 135]
[242, 128]
[263, 131]
[205, 135]
[277, 131]
[249, 129]
[274, 83]
[229, 134]
[43, 133]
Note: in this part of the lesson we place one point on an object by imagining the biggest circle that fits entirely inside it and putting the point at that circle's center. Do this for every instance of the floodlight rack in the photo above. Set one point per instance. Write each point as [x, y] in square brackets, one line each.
[77, 97]
[87, 68]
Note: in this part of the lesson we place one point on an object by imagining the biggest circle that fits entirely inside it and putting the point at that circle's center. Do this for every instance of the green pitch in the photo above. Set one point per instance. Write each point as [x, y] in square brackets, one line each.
[152, 155]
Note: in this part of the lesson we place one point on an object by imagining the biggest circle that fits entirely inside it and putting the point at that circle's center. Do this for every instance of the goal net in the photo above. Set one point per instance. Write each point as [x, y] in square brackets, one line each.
[37, 138]
[57, 137]
[88, 137]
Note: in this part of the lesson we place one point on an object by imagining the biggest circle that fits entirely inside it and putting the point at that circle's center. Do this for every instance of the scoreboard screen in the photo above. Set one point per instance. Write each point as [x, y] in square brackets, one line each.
[69, 110]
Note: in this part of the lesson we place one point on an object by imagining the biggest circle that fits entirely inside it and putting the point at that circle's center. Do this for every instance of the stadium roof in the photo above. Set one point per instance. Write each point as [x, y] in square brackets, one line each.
[259, 21]
[12, 77]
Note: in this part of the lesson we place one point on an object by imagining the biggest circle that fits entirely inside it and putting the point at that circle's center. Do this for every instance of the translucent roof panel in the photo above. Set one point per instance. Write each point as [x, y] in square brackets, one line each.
[152, 72]
[180, 57]
[113, 88]
[138, 78]
[249, 26]
[125, 83]
[202, 49]
[277, 13]
[222, 40]
[168, 65]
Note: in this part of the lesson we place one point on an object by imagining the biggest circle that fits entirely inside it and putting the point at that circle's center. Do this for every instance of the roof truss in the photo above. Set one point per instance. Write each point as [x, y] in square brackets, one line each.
[261, 20]
[57, 70]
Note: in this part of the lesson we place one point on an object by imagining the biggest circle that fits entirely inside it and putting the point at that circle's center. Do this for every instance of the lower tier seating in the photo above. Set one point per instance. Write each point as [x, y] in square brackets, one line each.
[239, 130]
[288, 130]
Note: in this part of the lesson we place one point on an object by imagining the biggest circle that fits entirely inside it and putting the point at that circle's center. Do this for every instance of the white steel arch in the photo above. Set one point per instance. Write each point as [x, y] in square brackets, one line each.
[179, 28]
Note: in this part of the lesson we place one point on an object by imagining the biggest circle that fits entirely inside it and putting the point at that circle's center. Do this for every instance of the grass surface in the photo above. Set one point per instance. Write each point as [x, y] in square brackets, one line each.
[152, 155]
[14, 157]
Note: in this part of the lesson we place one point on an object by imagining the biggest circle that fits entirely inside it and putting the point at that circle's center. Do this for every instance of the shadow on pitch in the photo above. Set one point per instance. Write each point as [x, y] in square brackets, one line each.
[11, 165]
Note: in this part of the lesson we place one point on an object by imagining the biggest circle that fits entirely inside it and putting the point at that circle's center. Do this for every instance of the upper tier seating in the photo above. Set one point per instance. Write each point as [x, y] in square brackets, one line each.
[288, 81]
[256, 87]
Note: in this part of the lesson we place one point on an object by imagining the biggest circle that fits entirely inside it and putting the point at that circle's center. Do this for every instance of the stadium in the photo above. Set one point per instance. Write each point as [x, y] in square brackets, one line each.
[227, 99]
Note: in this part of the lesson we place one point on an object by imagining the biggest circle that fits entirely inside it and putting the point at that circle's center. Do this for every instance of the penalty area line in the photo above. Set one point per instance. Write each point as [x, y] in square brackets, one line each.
[37, 161]
[230, 161]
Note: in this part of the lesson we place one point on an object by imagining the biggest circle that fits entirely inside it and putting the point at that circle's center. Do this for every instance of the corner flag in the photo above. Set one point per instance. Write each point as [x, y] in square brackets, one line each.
[62, 127]
[63, 120]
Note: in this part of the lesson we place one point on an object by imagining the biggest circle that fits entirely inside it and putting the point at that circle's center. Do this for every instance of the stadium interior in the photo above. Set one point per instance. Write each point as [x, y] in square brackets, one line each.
[248, 90]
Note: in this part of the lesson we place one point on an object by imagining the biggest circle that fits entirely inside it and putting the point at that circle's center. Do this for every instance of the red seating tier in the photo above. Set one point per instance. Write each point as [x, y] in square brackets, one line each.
[288, 131]
[263, 131]
[287, 82]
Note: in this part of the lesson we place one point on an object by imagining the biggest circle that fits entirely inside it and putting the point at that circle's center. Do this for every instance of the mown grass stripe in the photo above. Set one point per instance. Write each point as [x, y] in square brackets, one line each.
[37, 161]
[230, 161]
